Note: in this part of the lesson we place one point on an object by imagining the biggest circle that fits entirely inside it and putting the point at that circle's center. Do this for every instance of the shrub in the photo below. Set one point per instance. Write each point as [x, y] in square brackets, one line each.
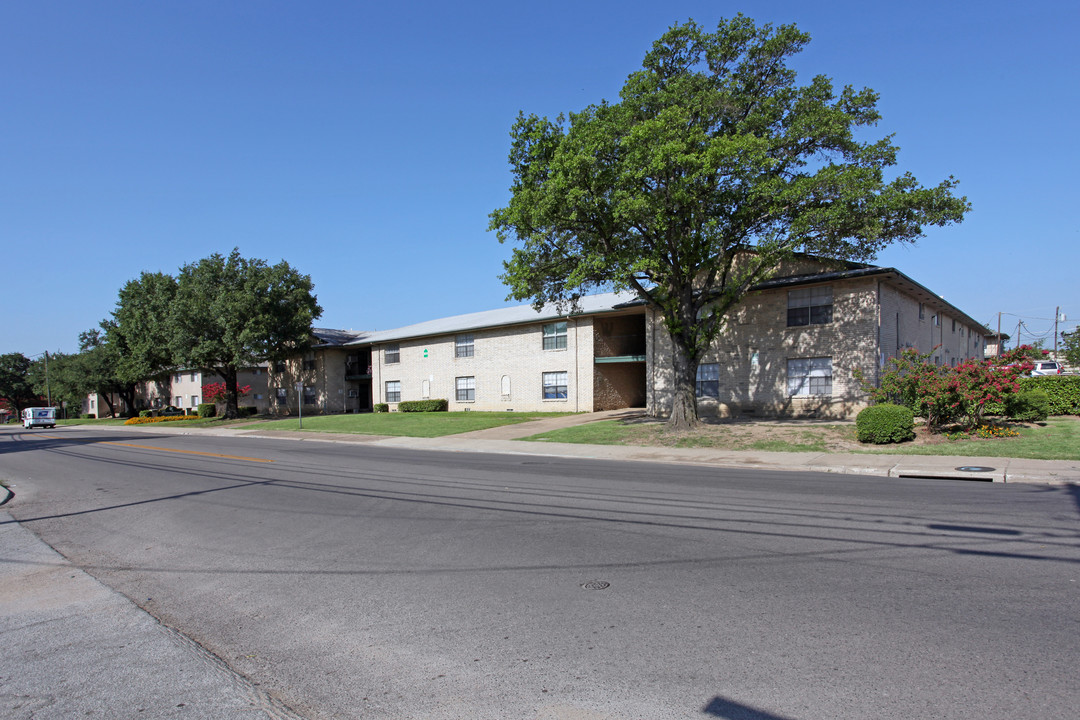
[1028, 405]
[207, 410]
[885, 423]
[146, 413]
[1062, 392]
[423, 406]
[381, 407]
[88, 416]
[248, 410]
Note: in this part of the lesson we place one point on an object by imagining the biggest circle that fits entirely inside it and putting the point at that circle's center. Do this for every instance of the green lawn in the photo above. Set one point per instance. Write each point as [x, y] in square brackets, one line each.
[403, 424]
[1056, 439]
[95, 421]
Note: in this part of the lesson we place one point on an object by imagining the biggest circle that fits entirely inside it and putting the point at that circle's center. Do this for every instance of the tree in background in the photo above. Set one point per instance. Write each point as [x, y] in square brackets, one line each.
[15, 384]
[230, 313]
[138, 335]
[712, 168]
[1071, 347]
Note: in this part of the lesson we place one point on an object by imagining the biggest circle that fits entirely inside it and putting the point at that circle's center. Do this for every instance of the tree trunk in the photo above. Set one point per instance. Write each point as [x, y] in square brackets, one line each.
[232, 398]
[108, 401]
[684, 414]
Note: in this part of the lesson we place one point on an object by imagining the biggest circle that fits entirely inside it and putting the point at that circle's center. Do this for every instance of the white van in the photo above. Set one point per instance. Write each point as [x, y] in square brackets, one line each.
[39, 417]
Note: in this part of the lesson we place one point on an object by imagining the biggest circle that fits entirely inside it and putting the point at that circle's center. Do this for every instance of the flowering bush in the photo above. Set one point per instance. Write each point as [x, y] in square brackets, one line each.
[941, 394]
[213, 392]
[162, 418]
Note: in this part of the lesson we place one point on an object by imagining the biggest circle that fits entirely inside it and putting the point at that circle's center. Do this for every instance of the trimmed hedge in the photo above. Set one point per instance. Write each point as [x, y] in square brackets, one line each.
[381, 407]
[207, 410]
[163, 418]
[423, 406]
[1062, 393]
[248, 410]
[88, 416]
[146, 413]
[1028, 406]
[885, 423]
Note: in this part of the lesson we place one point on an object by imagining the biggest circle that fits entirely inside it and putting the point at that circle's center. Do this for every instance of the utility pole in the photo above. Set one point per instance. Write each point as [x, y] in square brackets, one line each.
[1018, 324]
[999, 335]
[1057, 314]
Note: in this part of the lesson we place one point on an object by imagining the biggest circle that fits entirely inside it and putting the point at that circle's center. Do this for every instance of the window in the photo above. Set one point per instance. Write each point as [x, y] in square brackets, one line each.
[393, 391]
[505, 387]
[936, 320]
[309, 394]
[555, 385]
[178, 401]
[463, 346]
[282, 396]
[258, 396]
[194, 401]
[466, 389]
[555, 336]
[810, 306]
[922, 311]
[392, 354]
[309, 362]
[809, 376]
[192, 377]
[708, 380]
[279, 366]
[954, 326]
[425, 389]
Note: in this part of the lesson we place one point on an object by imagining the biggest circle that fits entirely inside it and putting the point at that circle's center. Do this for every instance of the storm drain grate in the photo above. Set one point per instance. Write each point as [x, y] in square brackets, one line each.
[596, 585]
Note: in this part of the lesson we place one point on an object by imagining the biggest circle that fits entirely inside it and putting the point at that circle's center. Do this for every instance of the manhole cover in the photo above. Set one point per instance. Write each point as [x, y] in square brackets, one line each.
[975, 468]
[596, 585]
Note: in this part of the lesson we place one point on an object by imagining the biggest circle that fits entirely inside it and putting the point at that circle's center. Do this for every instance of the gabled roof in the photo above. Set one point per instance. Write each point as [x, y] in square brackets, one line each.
[516, 315]
[328, 337]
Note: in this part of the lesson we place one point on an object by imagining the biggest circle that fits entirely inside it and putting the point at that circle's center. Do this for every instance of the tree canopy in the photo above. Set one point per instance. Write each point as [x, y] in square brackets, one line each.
[15, 384]
[231, 312]
[713, 166]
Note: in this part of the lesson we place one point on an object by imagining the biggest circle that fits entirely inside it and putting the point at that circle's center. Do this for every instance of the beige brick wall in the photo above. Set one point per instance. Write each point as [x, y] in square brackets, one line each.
[950, 339]
[754, 348]
[326, 376]
[514, 352]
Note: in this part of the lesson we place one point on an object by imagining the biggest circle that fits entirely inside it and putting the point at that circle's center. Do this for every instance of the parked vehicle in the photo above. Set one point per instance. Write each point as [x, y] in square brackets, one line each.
[1047, 367]
[44, 417]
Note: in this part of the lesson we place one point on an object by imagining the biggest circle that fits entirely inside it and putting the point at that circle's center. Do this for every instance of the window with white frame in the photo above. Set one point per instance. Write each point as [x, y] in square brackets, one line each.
[393, 391]
[466, 389]
[555, 384]
[192, 377]
[505, 386]
[282, 395]
[178, 401]
[392, 353]
[708, 380]
[464, 346]
[555, 336]
[810, 306]
[194, 401]
[425, 389]
[809, 376]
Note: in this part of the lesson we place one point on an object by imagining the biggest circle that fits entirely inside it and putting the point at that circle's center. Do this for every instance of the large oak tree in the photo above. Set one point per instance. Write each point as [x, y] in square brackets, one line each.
[231, 312]
[713, 167]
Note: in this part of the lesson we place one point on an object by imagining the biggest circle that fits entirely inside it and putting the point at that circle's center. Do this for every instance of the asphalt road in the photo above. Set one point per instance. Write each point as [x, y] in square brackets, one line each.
[354, 581]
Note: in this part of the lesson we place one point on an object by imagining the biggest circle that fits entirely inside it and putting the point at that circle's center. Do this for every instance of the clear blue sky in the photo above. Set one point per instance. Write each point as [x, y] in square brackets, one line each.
[366, 143]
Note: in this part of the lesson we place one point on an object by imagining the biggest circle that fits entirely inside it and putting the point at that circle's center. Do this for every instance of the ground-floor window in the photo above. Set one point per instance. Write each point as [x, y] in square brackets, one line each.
[809, 376]
[194, 401]
[708, 380]
[393, 391]
[178, 401]
[466, 389]
[309, 394]
[555, 384]
[282, 396]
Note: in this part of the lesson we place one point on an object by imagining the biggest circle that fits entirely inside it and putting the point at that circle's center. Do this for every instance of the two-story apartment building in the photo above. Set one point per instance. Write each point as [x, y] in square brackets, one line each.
[792, 347]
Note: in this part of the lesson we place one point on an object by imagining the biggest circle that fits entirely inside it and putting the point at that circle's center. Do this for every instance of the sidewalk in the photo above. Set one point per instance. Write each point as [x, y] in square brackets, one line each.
[73, 648]
[503, 439]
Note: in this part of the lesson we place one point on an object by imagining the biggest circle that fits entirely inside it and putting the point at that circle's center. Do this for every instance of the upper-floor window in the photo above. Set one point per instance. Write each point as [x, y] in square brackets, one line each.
[708, 380]
[555, 336]
[309, 362]
[279, 366]
[922, 311]
[810, 306]
[392, 353]
[809, 376]
[463, 346]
